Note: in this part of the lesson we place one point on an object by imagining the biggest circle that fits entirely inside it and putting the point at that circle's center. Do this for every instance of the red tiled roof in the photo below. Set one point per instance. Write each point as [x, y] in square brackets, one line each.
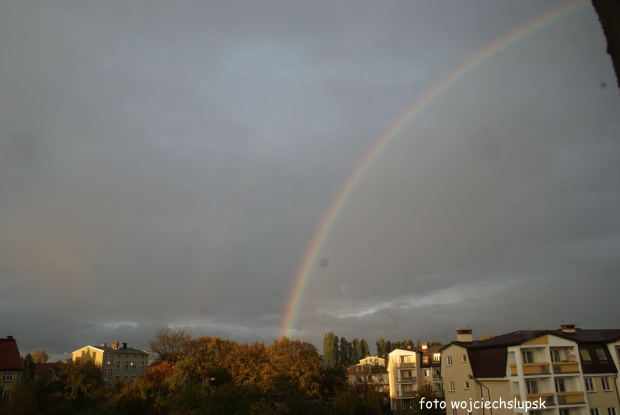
[9, 355]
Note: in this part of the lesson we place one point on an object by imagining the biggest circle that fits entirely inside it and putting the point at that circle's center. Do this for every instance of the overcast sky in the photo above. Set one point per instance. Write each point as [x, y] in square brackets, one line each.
[167, 164]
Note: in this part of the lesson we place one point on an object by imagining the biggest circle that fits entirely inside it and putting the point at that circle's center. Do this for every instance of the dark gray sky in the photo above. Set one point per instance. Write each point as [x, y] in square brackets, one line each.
[168, 163]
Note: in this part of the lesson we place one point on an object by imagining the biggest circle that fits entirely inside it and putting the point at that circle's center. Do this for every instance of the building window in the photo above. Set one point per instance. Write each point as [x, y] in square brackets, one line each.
[464, 358]
[6, 394]
[449, 360]
[559, 385]
[427, 372]
[117, 377]
[594, 411]
[564, 411]
[135, 365]
[142, 364]
[611, 411]
[118, 364]
[606, 384]
[466, 385]
[585, 355]
[126, 364]
[528, 356]
[451, 386]
[110, 359]
[532, 387]
[555, 355]
[7, 377]
[404, 405]
[111, 372]
[125, 378]
[589, 385]
[600, 354]
[105, 372]
[425, 360]
[437, 357]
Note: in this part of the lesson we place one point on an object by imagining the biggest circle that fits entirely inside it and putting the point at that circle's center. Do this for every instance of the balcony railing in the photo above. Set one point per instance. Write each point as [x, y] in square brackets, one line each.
[406, 365]
[565, 367]
[570, 398]
[539, 368]
[407, 380]
[407, 394]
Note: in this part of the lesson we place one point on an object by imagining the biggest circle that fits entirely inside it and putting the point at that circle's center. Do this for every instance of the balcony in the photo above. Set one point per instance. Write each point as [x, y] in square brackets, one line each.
[570, 398]
[406, 365]
[565, 367]
[437, 378]
[531, 369]
[407, 380]
[406, 394]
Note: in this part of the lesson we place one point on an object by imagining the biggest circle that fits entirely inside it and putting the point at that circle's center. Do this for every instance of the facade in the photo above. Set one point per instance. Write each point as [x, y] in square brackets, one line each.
[571, 371]
[119, 362]
[409, 369]
[370, 371]
[11, 367]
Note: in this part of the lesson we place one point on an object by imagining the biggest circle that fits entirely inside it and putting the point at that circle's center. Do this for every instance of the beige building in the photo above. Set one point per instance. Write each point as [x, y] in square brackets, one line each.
[371, 371]
[118, 362]
[569, 371]
[409, 369]
[11, 367]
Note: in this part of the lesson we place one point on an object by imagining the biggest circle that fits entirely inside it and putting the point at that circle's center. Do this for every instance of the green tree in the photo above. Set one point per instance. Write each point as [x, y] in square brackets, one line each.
[331, 348]
[28, 364]
[364, 348]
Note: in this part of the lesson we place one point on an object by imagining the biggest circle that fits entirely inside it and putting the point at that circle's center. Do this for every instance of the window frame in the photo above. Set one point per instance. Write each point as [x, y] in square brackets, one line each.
[589, 384]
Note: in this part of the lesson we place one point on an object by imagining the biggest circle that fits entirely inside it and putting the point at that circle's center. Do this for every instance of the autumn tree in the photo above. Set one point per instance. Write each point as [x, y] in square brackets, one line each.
[294, 367]
[170, 344]
[40, 356]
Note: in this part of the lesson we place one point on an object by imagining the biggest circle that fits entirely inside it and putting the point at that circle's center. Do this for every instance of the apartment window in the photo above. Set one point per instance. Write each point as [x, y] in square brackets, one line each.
[111, 372]
[464, 358]
[437, 357]
[564, 411]
[126, 364]
[425, 360]
[105, 372]
[6, 394]
[611, 411]
[449, 360]
[135, 365]
[125, 378]
[427, 372]
[585, 355]
[118, 364]
[532, 387]
[111, 359]
[117, 378]
[589, 385]
[555, 356]
[451, 386]
[7, 377]
[466, 385]
[528, 356]
[606, 384]
[559, 385]
[594, 411]
[404, 405]
[600, 354]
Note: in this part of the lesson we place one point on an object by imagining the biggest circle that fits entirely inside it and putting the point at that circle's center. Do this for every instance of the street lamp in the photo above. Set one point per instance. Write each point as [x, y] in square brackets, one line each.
[481, 394]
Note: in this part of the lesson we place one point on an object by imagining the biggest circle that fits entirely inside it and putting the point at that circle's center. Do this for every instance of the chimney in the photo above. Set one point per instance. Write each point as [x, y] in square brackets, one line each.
[464, 335]
[424, 346]
[9, 337]
[103, 344]
[124, 345]
[568, 328]
[115, 345]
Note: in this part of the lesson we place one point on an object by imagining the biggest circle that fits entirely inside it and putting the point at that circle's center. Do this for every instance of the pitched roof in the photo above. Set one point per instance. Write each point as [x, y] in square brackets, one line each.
[9, 355]
[120, 350]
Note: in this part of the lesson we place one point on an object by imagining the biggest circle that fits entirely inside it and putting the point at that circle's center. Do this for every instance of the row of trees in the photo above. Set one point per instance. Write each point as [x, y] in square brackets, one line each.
[205, 375]
[340, 352]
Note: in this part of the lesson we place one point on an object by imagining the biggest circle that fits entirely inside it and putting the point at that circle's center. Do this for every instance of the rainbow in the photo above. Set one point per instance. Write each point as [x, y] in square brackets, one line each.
[506, 41]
